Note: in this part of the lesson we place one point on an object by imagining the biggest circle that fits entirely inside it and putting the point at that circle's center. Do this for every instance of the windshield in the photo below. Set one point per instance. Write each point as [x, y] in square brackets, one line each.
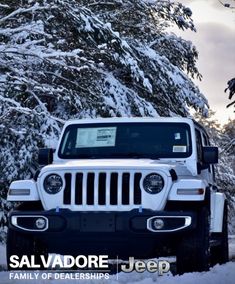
[126, 140]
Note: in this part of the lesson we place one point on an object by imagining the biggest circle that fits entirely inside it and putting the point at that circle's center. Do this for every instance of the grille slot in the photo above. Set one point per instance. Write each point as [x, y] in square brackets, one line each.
[114, 189]
[67, 189]
[102, 188]
[125, 188]
[78, 189]
[137, 190]
[90, 189]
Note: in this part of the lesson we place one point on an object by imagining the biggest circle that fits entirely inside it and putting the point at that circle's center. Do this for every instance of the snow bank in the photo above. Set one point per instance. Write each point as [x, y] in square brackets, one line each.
[232, 247]
[219, 274]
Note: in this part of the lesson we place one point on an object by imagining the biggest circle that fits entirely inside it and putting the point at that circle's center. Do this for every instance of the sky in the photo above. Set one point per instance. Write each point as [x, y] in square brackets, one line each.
[215, 41]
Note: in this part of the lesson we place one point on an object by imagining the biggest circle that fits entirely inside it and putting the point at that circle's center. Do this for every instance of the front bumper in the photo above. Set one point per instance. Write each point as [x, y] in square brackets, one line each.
[114, 233]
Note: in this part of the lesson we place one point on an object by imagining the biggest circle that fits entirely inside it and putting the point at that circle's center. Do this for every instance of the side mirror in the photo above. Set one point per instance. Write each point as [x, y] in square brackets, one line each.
[45, 156]
[210, 155]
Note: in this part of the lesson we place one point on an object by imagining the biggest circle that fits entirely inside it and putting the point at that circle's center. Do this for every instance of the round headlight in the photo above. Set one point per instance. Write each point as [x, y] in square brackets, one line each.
[153, 183]
[53, 184]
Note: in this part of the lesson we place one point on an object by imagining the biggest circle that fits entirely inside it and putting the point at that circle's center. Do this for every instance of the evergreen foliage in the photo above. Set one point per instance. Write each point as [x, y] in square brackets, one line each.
[62, 59]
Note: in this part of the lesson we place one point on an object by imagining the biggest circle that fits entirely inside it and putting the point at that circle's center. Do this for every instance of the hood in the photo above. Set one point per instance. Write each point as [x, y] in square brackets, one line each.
[120, 164]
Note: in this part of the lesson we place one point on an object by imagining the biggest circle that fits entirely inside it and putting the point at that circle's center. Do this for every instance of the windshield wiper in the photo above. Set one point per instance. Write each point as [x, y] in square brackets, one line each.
[135, 155]
[86, 156]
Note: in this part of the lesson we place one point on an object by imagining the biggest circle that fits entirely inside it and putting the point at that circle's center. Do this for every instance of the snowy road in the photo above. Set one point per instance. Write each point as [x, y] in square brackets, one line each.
[220, 274]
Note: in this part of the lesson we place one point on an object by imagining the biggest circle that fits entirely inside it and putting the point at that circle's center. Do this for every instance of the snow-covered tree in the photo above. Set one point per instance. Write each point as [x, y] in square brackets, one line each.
[231, 83]
[229, 131]
[231, 90]
[228, 3]
[62, 59]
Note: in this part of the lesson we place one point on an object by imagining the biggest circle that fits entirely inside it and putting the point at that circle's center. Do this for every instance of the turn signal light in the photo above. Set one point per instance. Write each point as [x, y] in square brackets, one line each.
[190, 191]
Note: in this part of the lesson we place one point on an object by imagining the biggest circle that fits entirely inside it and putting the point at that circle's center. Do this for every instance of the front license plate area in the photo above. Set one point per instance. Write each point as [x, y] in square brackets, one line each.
[98, 222]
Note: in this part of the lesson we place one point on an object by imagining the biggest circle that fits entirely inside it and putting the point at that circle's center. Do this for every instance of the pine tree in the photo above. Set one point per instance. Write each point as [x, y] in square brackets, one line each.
[62, 59]
[231, 90]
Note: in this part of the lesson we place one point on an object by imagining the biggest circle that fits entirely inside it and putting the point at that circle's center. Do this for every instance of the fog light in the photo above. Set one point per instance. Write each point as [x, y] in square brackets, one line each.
[158, 224]
[40, 223]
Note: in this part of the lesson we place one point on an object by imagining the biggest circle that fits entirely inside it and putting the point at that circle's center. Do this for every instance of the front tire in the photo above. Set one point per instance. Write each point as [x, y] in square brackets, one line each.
[193, 252]
[22, 244]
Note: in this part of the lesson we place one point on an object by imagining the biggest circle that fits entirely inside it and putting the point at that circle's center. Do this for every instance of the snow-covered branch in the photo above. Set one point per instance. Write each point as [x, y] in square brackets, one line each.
[62, 59]
[32, 9]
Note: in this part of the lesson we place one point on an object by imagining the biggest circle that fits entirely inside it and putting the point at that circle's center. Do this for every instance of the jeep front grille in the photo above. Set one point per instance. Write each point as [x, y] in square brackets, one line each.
[102, 188]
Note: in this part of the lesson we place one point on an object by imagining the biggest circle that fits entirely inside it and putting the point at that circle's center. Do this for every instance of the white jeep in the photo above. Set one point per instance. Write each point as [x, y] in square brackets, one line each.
[139, 187]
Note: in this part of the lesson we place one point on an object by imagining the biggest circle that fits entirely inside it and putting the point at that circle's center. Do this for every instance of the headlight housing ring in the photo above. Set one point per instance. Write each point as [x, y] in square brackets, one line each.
[153, 183]
[53, 183]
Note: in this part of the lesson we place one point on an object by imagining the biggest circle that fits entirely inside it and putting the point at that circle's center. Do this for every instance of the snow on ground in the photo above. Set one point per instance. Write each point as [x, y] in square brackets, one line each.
[219, 274]
[2, 258]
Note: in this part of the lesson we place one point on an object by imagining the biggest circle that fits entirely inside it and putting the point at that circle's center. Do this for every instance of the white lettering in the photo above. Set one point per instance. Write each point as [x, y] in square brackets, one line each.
[14, 259]
[163, 267]
[28, 263]
[83, 258]
[69, 261]
[57, 261]
[103, 261]
[45, 263]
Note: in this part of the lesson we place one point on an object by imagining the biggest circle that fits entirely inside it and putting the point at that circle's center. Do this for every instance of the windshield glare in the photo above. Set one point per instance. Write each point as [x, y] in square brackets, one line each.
[126, 140]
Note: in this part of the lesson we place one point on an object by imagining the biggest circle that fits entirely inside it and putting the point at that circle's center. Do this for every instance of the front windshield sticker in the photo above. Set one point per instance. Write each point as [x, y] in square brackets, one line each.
[179, 149]
[96, 137]
[177, 136]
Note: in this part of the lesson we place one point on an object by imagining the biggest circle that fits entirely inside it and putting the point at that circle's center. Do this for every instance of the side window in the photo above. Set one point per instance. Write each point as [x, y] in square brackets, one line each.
[205, 140]
[206, 143]
[199, 145]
